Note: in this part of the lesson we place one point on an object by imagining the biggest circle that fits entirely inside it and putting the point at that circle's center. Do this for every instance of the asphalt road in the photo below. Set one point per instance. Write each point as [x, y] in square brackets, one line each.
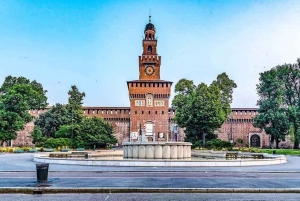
[151, 197]
[18, 170]
[154, 179]
[97, 174]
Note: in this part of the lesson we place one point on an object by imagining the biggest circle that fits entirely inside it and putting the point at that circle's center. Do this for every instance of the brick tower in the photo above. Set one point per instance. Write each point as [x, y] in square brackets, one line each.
[149, 95]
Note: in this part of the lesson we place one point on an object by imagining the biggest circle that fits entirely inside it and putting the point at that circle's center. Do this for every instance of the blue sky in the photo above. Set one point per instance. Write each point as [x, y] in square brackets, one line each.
[95, 44]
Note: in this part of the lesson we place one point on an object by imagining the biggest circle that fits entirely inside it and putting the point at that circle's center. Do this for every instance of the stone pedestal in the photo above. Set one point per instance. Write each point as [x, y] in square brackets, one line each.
[129, 152]
[157, 150]
[135, 152]
[180, 151]
[125, 154]
[149, 152]
[166, 152]
[174, 152]
[142, 151]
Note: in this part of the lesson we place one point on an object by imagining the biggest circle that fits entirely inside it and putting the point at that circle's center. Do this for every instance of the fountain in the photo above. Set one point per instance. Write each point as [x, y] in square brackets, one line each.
[160, 154]
[157, 150]
[142, 149]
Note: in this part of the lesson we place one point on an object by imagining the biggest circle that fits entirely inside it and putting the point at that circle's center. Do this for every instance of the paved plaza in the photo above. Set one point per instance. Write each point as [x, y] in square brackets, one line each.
[23, 162]
[18, 170]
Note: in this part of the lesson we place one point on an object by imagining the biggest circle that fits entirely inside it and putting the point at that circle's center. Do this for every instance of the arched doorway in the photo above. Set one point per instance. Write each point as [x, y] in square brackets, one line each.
[255, 140]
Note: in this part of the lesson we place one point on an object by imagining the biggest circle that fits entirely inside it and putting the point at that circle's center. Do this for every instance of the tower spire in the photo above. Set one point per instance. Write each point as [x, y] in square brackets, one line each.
[149, 15]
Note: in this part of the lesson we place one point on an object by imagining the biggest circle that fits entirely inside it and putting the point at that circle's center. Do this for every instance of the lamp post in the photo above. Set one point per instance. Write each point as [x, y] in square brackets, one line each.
[231, 137]
[72, 132]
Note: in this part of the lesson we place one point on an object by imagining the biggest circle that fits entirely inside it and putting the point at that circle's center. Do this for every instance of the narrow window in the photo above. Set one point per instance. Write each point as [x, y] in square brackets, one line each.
[135, 112]
[149, 112]
[142, 112]
[149, 48]
[155, 112]
[162, 112]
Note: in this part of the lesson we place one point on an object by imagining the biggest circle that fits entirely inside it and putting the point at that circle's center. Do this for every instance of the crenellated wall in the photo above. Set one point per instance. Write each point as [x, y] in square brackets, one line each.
[239, 124]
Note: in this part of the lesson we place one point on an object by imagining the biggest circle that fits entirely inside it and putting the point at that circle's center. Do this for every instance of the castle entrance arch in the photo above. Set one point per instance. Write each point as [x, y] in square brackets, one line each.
[255, 140]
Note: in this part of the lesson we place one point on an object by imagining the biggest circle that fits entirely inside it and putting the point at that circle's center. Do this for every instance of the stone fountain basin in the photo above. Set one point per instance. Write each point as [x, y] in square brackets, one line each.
[108, 158]
[157, 150]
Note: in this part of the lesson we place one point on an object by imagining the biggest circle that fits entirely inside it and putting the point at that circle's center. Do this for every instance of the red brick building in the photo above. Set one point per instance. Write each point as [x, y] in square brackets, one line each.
[149, 96]
[149, 114]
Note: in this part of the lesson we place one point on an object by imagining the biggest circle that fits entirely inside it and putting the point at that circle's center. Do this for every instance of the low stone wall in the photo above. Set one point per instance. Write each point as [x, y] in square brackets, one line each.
[277, 159]
[157, 150]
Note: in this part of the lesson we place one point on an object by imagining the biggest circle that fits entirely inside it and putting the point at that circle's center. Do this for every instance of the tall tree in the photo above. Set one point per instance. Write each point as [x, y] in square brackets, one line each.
[281, 85]
[75, 102]
[289, 76]
[272, 116]
[50, 121]
[17, 96]
[94, 131]
[35, 97]
[226, 86]
[37, 136]
[202, 109]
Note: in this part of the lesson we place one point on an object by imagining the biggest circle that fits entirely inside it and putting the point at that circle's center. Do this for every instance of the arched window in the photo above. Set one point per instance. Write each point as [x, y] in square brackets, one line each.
[149, 48]
[255, 141]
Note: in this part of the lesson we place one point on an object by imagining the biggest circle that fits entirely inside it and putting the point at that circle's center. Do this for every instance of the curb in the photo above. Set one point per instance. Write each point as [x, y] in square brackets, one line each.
[144, 190]
[204, 171]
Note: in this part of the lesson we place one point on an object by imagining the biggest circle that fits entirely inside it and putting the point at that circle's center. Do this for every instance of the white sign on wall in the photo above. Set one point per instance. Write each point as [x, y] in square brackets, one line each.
[139, 103]
[149, 129]
[159, 103]
[134, 135]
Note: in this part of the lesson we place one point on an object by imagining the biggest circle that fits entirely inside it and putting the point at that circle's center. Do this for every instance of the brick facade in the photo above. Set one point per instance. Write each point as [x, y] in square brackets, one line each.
[240, 121]
[149, 101]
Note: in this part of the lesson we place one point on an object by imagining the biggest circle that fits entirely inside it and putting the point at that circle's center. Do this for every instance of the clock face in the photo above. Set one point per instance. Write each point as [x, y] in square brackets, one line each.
[149, 70]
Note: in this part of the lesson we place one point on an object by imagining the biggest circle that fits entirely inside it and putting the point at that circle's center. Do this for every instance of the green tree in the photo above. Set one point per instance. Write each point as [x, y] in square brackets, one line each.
[37, 136]
[75, 102]
[34, 95]
[94, 131]
[17, 96]
[226, 86]
[74, 107]
[50, 121]
[202, 109]
[273, 117]
[64, 132]
[57, 142]
[283, 84]
[289, 76]
[273, 120]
